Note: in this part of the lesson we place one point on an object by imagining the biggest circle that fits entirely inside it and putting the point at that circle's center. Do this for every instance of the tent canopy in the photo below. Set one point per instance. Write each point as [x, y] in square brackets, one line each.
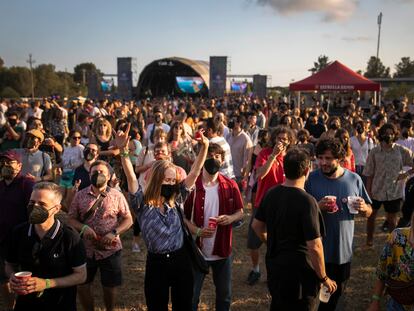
[335, 77]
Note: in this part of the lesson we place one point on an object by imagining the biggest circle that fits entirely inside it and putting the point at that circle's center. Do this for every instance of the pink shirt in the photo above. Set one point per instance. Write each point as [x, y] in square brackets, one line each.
[105, 219]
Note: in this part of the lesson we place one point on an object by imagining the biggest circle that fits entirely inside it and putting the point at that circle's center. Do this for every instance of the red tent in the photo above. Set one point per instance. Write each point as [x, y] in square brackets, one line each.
[335, 77]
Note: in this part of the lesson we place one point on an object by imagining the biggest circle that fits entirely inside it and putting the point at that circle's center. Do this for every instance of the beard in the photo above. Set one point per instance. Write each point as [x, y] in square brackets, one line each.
[330, 172]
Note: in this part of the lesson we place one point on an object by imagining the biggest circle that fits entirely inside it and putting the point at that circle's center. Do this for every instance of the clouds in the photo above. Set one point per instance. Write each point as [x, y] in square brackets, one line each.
[331, 10]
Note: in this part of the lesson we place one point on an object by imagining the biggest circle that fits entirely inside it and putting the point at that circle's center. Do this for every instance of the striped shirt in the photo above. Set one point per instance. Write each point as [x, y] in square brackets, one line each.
[161, 232]
[227, 167]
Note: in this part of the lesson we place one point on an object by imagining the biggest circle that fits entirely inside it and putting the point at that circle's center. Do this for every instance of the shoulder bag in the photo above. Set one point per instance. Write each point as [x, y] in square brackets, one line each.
[196, 256]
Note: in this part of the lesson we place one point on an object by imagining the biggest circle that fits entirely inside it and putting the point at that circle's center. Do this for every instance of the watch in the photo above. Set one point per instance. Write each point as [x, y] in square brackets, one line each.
[115, 232]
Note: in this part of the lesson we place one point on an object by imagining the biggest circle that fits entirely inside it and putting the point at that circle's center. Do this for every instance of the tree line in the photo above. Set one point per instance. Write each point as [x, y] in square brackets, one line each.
[15, 81]
[375, 68]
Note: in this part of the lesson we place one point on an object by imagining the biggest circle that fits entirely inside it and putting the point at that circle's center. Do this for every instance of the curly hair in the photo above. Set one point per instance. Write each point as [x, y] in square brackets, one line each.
[330, 144]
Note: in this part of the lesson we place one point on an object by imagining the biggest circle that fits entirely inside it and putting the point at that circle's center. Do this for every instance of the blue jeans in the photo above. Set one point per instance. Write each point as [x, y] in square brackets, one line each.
[392, 305]
[222, 281]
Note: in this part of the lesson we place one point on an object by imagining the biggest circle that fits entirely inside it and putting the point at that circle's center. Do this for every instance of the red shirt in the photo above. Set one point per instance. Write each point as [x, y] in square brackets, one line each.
[230, 201]
[349, 162]
[275, 176]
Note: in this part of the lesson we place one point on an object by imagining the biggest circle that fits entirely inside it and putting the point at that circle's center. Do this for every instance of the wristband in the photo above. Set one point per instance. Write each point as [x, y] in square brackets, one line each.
[198, 232]
[376, 297]
[323, 280]
[83, 229]
[124, 153]
[47, 283]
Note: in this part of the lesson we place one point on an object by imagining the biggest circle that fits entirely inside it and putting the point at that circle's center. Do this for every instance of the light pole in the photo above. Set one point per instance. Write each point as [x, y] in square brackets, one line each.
[31, 61]
[379, 32]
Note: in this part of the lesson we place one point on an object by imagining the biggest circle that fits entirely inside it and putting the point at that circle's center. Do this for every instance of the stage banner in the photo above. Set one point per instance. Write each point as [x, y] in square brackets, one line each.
[125, 77]
[259, 85]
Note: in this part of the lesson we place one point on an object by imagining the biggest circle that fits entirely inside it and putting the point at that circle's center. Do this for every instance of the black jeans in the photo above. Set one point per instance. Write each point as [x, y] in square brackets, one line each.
[292, 288]
[164, 271]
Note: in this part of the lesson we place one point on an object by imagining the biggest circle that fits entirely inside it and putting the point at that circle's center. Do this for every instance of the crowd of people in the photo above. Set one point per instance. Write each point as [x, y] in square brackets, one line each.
[76, 175]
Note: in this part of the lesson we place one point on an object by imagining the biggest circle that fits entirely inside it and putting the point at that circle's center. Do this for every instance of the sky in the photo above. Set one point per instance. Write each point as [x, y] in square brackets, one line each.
[279, 38]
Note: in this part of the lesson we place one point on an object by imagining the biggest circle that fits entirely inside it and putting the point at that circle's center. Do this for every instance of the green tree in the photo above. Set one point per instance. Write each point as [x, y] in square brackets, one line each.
[87, 67]
[1, 62]
[376, 69]
[9, 92]
[405, 68]
[17, 78]
[47, 82]
[321, 63]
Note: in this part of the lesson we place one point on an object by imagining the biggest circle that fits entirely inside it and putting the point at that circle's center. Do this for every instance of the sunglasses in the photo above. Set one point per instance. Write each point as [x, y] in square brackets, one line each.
[76, 137]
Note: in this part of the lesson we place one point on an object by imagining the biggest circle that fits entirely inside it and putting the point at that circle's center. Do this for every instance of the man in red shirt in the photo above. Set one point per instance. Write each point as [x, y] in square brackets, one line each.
[216, 196]
[270, 173]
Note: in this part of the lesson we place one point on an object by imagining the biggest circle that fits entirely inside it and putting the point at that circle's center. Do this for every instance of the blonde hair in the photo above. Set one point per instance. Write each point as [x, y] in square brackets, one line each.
[152, 193]
[108, 132]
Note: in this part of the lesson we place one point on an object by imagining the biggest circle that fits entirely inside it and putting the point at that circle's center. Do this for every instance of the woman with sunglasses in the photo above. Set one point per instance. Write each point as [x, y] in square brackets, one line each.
[72, 158]
[157, 209]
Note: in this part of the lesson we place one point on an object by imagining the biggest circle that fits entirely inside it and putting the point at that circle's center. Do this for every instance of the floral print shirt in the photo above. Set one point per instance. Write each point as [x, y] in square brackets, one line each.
[397, 258]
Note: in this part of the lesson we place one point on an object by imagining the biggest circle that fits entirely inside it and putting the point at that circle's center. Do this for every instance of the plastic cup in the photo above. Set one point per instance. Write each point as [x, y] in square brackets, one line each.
[23, 276]
[351, 204]
[333, 207]
[212, 222]
[324, 294]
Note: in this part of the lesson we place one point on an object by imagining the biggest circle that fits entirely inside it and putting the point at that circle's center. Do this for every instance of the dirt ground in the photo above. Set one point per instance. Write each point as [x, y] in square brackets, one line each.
[245, 297]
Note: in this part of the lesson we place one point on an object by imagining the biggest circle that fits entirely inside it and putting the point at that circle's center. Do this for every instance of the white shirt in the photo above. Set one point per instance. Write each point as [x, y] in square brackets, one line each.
[72, 157]
[361, 151]
[408, 143]
[211, 209]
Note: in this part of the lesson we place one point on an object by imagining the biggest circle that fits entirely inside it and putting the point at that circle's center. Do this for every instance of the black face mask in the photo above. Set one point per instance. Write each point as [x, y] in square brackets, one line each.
[230, 125]
[359, 130]
[388, 139]
[12, 122]
[87, 155]
[7, 172]
[302, 139]
[158, 119]
[98, 180]
[212, 166]
[333, 126]
[37, 214]
[167, 191]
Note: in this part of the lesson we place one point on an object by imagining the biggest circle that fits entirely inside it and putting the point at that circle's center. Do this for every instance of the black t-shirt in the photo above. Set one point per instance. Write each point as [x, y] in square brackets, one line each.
[315, 130]
[82, 174]
[292, 217]
[60, 250]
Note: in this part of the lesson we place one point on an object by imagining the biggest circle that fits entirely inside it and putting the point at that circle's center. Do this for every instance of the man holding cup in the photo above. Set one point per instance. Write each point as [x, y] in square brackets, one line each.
[211, 209]
[332, 185]
[51, 256]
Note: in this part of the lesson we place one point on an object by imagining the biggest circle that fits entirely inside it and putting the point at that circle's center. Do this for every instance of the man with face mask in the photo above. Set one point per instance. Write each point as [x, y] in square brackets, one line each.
[158, 117]
[385, 177]
[216, 196]
[100, 214]
[15, 190]
[81, 179]
[329, 181]
[50, 250]
[35, 163]
[11, 132]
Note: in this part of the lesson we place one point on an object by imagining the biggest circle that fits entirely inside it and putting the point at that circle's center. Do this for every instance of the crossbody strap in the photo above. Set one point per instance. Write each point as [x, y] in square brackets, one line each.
[96, 204]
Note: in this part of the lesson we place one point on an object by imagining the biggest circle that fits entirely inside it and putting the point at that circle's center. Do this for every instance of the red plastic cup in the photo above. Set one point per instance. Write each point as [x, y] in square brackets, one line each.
[197, 135]
[212, 222]
[333, 207]
[23, 277]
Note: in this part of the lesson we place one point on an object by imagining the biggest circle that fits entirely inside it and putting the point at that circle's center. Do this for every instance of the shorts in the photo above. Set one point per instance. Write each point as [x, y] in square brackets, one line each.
[66, 179]
[110, 268]
[253, 241]
[392, 206]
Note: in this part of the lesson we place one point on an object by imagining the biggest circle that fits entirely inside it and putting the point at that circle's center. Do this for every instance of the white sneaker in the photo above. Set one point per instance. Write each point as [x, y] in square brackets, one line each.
[136, 248]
